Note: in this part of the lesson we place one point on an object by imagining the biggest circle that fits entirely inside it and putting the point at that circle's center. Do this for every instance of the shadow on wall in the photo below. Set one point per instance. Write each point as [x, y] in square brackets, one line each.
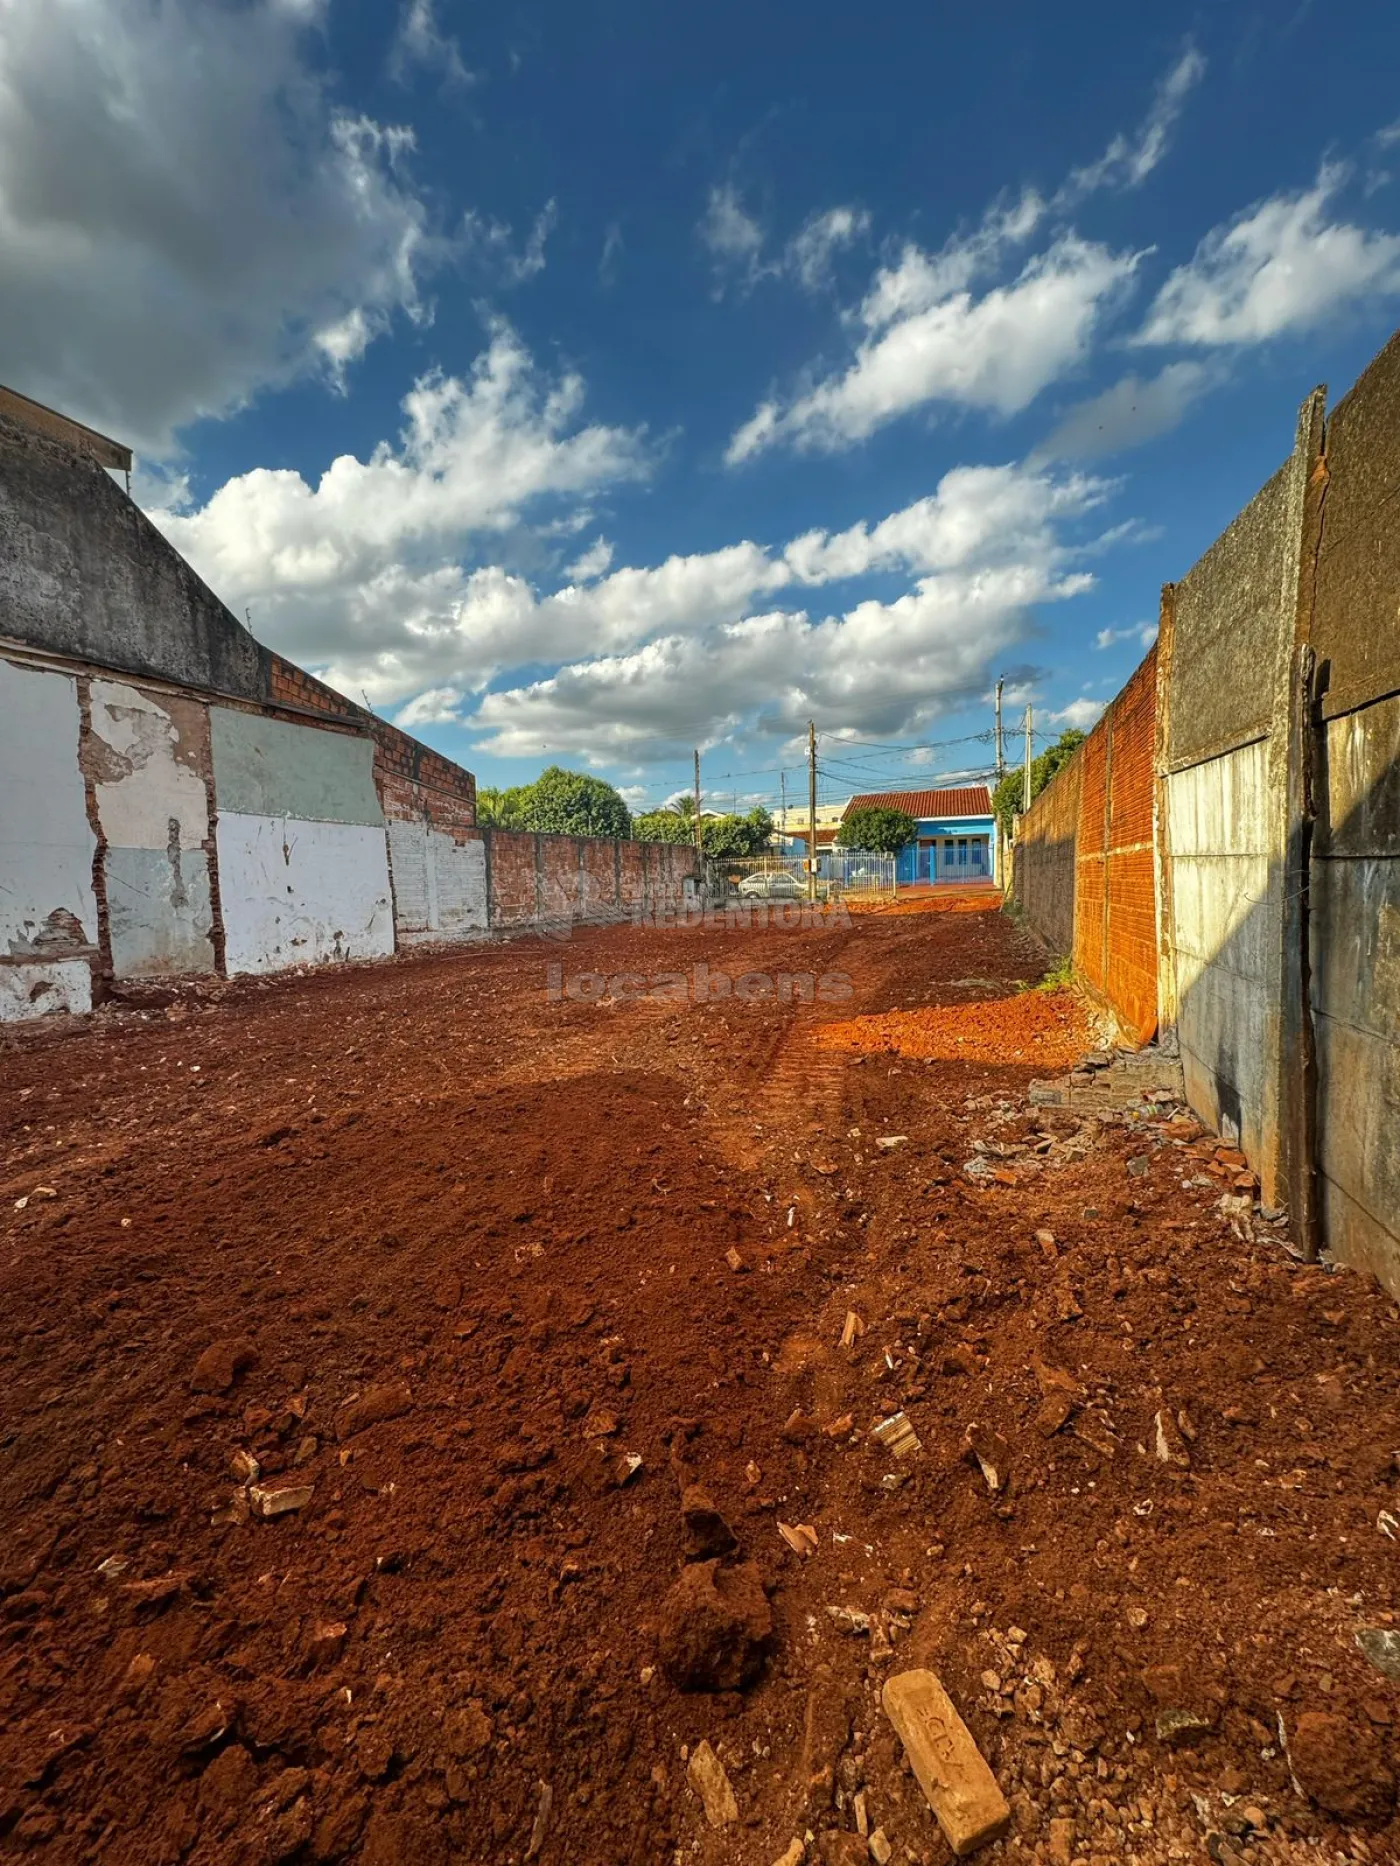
[1230, 1026]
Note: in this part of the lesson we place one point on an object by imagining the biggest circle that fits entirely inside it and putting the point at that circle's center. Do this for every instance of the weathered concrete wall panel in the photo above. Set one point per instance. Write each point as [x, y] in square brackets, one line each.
[1226, 946]
[1234, 624]
[147, 756]
[300, 893]
[439, 883]
[1356, 989]
[48, 909]
[84, 573]
[1354, 627]
[270, 767]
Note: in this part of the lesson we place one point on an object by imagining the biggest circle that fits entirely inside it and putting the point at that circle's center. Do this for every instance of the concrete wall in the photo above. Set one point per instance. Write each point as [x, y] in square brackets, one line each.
[303, 858]
[48, 906]
[553, 881]
[84, 574]
[1355, 892]
[146, 756]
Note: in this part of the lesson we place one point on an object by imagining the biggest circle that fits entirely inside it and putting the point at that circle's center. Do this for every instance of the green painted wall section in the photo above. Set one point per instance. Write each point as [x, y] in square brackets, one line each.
[268, 767]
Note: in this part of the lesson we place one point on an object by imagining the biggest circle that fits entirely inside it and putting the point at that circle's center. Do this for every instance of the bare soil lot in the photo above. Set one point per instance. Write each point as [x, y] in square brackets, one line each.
[452, 1251]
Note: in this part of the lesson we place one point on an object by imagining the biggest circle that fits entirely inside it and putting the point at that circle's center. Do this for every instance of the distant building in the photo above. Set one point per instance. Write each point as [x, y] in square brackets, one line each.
[792, 827]
[955, 832]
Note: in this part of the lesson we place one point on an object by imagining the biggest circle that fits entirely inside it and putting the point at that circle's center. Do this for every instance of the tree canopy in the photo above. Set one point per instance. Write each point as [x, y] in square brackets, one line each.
[1007, 799]
[663, 826]
[558, 803]
[878, 828]
[728, 837]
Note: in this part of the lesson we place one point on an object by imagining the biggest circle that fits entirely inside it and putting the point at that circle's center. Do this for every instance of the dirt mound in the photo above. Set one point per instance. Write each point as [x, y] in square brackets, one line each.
[1048, 1030]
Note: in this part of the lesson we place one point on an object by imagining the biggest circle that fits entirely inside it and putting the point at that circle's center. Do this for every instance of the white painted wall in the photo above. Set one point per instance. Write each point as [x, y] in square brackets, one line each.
[39, 987]
[154, 812]
[47, 904]
[439, 883]
[300, 893]
[1226, 937]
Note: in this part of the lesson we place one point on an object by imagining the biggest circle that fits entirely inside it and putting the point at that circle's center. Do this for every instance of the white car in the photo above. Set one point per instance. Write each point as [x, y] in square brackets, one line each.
[776, 885]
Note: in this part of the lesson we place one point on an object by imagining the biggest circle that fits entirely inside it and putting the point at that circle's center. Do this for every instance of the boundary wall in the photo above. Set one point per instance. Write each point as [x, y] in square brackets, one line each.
[1221, 858]
[177, 800]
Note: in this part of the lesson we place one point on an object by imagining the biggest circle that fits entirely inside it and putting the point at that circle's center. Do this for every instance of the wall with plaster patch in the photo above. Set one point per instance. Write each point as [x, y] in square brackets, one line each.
[48, 906]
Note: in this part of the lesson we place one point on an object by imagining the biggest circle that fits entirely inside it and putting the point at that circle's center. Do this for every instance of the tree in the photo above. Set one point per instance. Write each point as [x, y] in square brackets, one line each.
[503, 809]
[877, 829]
[662, 826]
[727, 838]
[1010, 792]
[569, 803]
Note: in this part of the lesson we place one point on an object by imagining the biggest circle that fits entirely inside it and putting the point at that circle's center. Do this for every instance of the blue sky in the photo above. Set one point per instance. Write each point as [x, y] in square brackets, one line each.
[582, 383]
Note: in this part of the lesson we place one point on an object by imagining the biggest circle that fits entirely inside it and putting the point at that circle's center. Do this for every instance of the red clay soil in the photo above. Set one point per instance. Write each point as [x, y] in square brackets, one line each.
[1049, 1029]
[448, 1254]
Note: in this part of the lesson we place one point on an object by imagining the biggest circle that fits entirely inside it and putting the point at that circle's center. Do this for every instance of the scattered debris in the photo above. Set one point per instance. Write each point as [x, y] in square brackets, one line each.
[989, 1451]
[265, 1501]
[852, 1329]
[951, 1770]
[543, 1808]
[707, 1777]
[897, 1436]
[801, 1538]
[735, 1259]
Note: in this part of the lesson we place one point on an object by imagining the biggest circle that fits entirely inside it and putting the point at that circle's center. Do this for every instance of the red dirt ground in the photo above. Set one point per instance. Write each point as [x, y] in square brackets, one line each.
[429, 1176]
[1049, 1029]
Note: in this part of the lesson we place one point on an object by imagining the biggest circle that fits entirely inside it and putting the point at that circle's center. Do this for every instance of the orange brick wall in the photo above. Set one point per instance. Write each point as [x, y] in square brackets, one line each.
[1130, 964]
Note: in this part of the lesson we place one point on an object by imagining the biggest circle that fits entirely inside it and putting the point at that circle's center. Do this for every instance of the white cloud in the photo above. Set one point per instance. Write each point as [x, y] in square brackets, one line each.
[1129, 160]
[1284, 265]
[421, 41]
[1143, 633]
[928, 343]
[490, 241]
[811, 249]
[593, 563]
[1081, 714]
[736, 242]
[438, 706]
[368, 574]
[732, 237]
[1135, 409]
[374, 547]
[186, 214]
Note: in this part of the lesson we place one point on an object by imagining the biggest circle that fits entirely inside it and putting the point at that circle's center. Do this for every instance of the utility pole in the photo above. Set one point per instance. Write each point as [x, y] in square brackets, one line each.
[811, 810]
[1026, 787]
[1001, 752]
[698, 844]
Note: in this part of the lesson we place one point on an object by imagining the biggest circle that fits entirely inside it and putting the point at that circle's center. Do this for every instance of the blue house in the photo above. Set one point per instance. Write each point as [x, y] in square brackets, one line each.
[954, 842]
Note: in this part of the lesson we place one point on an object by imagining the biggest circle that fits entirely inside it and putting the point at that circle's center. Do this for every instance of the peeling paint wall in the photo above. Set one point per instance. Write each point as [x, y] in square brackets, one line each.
[303, 861]
[48, 906]
[147, 756]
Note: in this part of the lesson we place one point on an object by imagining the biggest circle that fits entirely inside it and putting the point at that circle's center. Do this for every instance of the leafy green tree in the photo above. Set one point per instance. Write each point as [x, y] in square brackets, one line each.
[1007, 798]
[728, 837]
[570, 803]
[503, 809]
[663, 826]
[881, 830]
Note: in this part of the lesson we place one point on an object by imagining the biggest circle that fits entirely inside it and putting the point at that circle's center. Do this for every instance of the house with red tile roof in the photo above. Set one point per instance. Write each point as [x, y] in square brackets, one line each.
[955, 838]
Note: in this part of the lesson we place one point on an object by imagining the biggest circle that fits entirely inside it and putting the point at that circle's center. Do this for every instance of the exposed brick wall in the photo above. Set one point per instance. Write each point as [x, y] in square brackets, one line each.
[1084, 871]
[1130, 962]
[551, 879]
[415, 783]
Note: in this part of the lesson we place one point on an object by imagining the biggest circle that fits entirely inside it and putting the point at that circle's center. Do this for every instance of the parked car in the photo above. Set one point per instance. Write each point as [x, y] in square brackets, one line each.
[776, 885]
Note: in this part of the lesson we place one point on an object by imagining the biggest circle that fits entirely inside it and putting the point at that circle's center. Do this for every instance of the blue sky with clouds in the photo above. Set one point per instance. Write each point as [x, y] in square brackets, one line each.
[582, 383]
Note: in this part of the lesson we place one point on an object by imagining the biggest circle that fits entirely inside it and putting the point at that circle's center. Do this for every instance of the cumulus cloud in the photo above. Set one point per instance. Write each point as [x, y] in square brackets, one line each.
[1135, 409]
[1284, 265]
[369, 575]
[1081, 714]
[186, 213]
[929, 341]
[374, 546]
[438, 706]
[1143, 633]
